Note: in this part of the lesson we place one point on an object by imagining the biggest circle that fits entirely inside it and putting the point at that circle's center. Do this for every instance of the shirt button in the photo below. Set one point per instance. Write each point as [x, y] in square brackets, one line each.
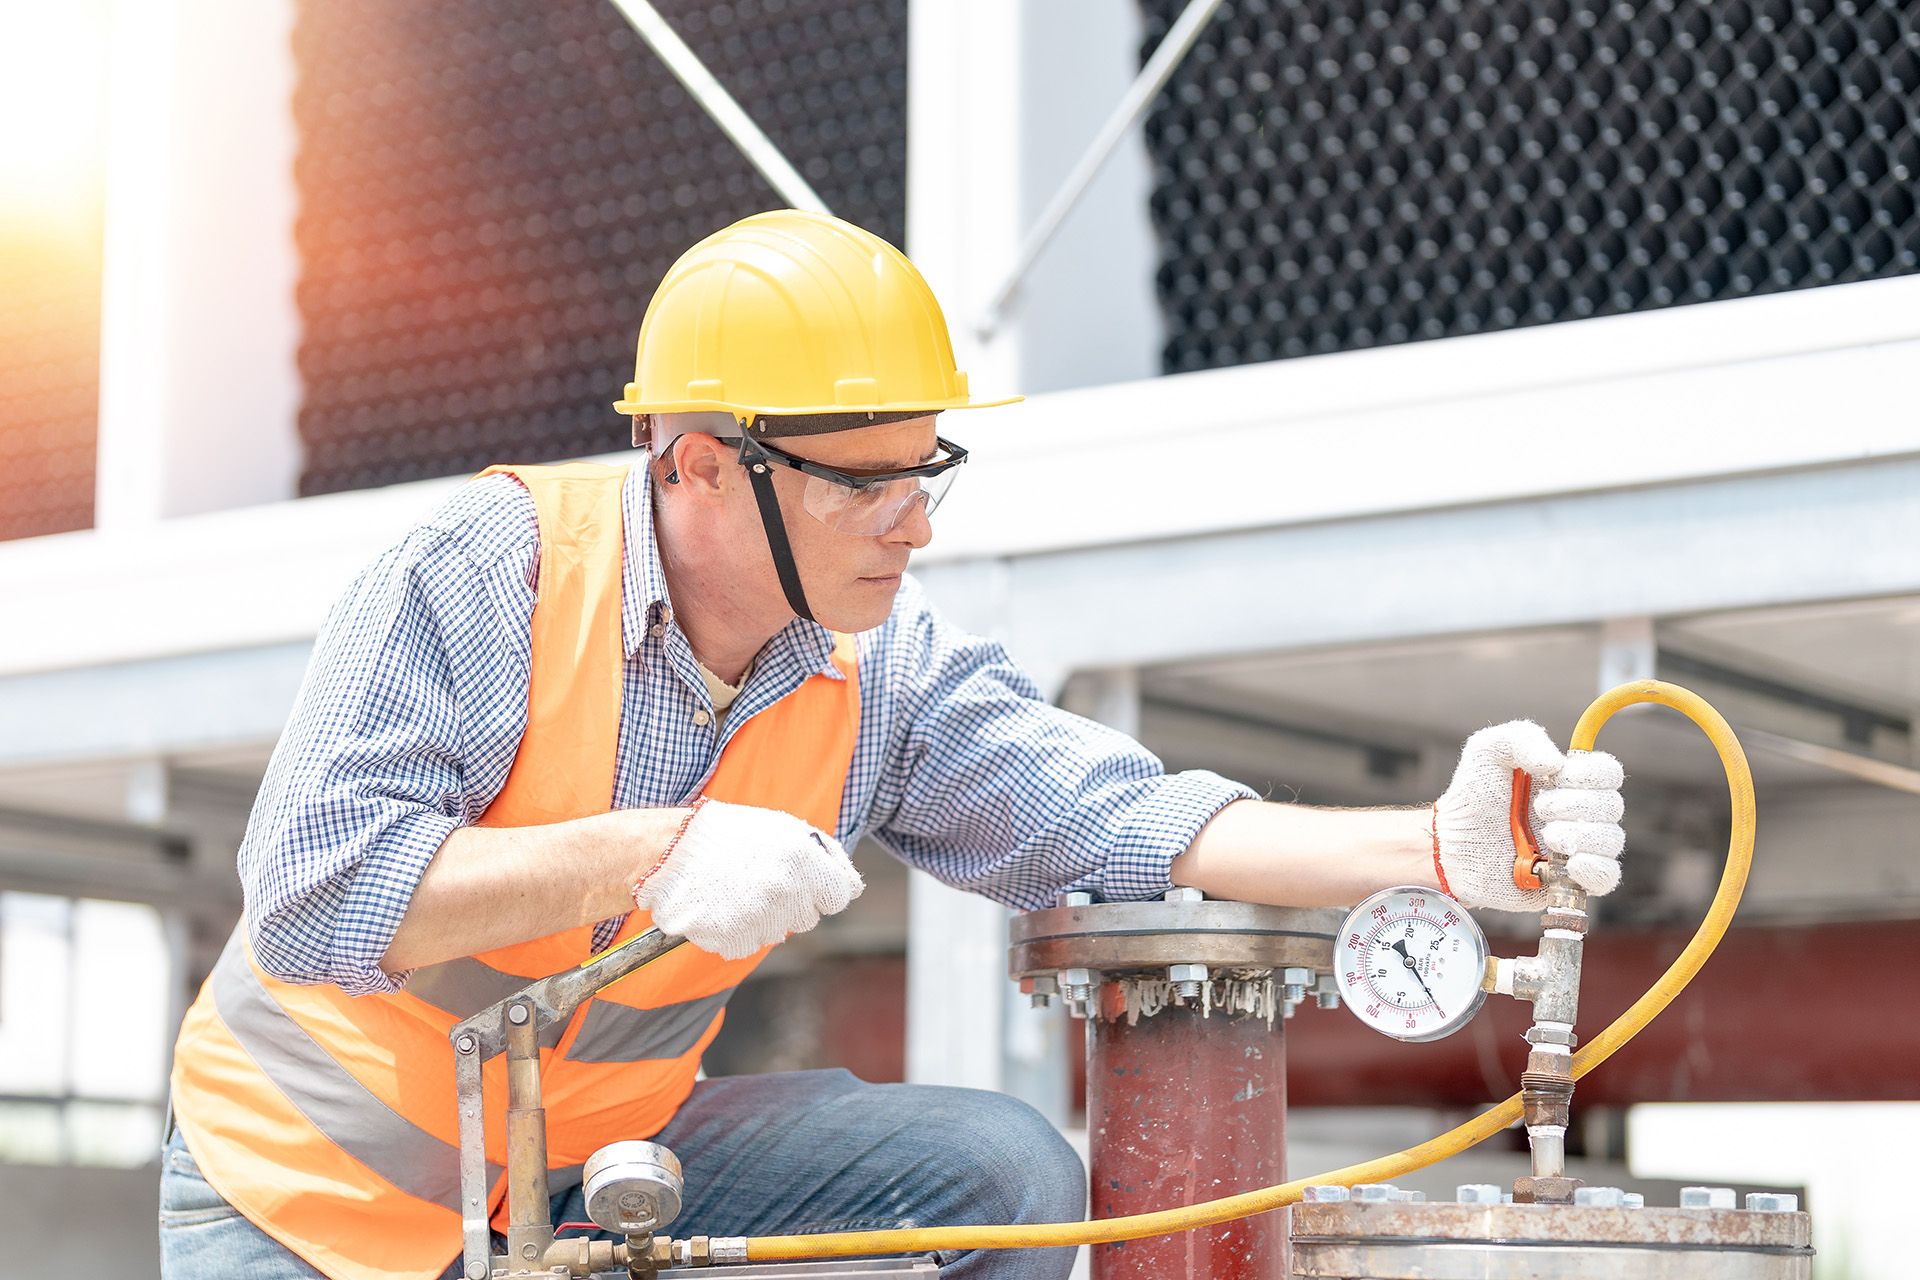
[701, 717]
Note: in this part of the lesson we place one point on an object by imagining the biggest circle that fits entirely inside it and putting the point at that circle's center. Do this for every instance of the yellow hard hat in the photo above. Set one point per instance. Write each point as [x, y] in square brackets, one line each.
[790, 313]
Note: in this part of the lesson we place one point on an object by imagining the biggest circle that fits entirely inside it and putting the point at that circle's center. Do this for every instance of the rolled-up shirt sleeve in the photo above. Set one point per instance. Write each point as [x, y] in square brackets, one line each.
[990, 788]
[405, 728]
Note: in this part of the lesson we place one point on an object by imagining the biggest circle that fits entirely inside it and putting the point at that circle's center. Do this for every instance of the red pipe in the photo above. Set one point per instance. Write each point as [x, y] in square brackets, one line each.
[1819, 1012]
[1182, 1109]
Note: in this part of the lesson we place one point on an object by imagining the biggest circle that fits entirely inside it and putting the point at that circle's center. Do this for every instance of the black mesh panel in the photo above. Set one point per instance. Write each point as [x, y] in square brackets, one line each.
[491, 189]
[1331, 176]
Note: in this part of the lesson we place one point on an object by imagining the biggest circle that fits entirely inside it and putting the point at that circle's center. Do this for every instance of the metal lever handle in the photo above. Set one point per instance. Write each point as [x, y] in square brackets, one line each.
[520, 1017]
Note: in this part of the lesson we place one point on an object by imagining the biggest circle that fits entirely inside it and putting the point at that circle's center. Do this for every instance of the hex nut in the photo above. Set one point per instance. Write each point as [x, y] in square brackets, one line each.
[1325, 1195]
[1477, 1193]
[1598, 1197]
[1408, 1197]
[1183, 893]
[1076, 898]
[1773, 1202]
[1374, 1192]
[1632, 1200]
[1706, 1198]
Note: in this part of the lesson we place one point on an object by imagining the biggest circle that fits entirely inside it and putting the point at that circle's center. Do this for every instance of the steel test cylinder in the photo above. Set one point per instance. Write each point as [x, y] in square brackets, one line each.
[1182, 1108]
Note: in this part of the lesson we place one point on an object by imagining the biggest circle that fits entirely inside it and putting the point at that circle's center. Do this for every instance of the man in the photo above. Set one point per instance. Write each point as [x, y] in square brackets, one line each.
[576, 701]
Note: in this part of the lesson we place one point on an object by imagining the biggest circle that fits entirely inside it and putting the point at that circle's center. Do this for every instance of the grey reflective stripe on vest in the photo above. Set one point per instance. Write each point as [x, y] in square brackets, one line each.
[348, 1114]
[463, 987]
[616, 1033]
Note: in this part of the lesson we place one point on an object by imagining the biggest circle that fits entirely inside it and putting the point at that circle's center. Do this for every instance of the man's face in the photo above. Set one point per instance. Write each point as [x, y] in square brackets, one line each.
[850, 580]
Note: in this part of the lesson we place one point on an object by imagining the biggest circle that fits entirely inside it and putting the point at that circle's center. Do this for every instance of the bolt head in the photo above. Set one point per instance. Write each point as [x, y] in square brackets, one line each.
[1076, 898]
[1186, 973]
[1408, 1197]
[465, 1044]
[1477, 1193]
[1632, 1200]
[518, 1014]
[1598, 1197]
[1296, 977]
[1706, 1197]
[1183, 893]
[1773, 1202]
[1325, 1195]
[1374, 1192]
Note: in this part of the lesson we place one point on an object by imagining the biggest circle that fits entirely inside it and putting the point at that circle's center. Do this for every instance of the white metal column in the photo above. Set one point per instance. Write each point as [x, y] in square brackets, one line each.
[199, 386]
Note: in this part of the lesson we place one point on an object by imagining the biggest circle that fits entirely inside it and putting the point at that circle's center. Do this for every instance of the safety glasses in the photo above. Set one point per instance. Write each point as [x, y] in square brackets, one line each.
[862, 503]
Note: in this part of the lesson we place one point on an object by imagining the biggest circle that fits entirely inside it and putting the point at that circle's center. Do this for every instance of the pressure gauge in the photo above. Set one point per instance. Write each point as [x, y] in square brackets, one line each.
[1409, 962]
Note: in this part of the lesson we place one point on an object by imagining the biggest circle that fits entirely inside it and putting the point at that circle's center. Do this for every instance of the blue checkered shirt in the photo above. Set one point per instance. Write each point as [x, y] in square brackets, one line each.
[416, 696]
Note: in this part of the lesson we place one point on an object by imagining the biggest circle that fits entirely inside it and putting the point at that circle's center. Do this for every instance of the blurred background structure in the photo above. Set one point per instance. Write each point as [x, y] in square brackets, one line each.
[1408, 369]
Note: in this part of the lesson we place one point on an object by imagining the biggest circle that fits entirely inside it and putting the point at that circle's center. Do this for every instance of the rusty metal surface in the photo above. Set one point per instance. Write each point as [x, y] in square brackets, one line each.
[1553, 1224]
[1398, 1241]
[1123, 936]
[1183, 1108]
[1370, 1260]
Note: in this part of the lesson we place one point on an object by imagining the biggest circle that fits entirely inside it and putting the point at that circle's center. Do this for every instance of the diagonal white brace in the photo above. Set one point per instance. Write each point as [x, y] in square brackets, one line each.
[718, 103]
[1133, 103]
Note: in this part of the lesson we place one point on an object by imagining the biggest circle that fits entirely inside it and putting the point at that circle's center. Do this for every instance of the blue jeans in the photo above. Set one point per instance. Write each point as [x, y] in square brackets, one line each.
[806, 1151]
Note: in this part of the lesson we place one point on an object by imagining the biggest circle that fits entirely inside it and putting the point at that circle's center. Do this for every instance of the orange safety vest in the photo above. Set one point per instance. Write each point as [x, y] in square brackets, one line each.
[329, 1120]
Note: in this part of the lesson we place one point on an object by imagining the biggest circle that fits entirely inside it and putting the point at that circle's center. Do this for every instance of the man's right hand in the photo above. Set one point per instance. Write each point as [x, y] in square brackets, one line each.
[738, 878]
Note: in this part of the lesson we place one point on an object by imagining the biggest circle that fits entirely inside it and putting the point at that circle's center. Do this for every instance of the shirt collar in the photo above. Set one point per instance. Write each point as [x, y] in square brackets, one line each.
[645, 596]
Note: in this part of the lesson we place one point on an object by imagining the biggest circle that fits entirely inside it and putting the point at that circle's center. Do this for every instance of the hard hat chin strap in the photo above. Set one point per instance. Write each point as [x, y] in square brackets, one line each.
[760, 475]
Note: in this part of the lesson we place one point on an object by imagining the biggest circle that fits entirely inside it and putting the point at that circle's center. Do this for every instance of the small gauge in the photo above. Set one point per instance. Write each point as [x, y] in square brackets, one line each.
[1409, 962]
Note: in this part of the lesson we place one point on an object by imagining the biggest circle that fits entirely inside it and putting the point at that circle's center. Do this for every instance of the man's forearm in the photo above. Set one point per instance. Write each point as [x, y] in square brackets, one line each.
[495, 886]
[1296, 856]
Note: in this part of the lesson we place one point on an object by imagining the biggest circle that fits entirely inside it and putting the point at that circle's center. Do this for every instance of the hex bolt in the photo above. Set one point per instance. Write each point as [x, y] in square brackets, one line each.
[518, 1014]
[1296, 982]
[1325, 1195]
[1043, 991]
[1632, 1200]
[1706, 1197]
[1183, 893]
[1187, 979]
[1477, 1193]
[1598, 1197]
[1773, 1202]
[465, 1044]
[1076, 984]
[1407, 1197]
[1075, 898]
[1326, 991]
[1374, 1192]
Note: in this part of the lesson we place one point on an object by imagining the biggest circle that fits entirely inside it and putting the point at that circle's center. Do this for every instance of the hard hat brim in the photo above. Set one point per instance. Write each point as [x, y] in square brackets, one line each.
[631, 407]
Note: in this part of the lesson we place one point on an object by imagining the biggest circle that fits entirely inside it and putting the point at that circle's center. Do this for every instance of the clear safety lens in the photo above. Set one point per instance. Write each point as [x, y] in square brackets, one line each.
[876, 509]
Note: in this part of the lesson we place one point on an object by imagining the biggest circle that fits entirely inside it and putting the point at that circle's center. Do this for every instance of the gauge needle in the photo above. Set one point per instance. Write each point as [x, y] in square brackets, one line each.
[1407, 960]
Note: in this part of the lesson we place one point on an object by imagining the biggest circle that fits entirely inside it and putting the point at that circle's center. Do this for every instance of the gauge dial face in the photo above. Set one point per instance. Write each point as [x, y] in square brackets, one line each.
[1410, 962]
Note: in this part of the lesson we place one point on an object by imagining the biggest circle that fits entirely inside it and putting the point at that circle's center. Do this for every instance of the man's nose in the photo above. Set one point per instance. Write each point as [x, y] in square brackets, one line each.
[913, 527]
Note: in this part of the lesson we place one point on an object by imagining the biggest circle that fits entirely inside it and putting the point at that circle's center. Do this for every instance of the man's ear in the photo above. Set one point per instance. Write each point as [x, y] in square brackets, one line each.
[704, 463]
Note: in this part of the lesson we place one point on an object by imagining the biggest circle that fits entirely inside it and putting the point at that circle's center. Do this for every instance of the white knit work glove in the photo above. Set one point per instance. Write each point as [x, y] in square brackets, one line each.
[1575, 813]
[738, 878]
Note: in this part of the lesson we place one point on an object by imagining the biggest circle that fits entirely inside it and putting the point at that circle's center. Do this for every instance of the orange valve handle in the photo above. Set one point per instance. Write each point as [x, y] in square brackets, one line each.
[1526, 855]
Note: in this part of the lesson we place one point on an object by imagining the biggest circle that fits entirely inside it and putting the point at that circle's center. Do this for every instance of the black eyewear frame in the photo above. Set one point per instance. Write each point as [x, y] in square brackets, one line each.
[752, 450]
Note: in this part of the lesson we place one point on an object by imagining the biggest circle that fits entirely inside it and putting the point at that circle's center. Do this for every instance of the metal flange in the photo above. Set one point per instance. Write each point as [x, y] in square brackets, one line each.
[1122, 937]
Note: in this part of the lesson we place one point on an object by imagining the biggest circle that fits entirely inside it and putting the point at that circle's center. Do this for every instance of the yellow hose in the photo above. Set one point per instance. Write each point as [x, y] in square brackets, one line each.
[1733, 881]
